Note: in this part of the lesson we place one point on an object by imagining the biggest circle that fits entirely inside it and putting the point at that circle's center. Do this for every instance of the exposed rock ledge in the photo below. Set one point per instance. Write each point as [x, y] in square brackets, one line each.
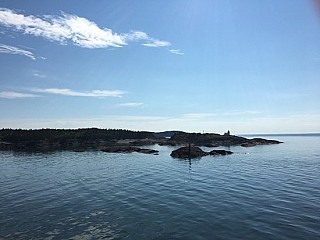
[128, 149]
[259, 141]
[195, 152]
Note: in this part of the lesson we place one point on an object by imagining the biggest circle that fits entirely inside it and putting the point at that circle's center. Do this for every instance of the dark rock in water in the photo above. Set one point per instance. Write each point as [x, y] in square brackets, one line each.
[196, 152]
[220, 152]
[147, 151]
[211, 145]
[259, 141]
[128, 149]
[188, 152]
[79, 150]
[248, 144]
[117, 149]
[262, 141]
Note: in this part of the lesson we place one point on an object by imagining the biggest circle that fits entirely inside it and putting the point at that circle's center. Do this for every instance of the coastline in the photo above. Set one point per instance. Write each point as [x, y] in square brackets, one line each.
[115, 140]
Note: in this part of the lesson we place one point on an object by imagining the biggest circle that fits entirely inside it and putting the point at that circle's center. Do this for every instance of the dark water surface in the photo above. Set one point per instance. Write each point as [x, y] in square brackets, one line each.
[263, 192]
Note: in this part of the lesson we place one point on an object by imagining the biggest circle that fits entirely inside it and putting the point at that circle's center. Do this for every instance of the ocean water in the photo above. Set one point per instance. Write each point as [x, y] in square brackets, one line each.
[262, 192]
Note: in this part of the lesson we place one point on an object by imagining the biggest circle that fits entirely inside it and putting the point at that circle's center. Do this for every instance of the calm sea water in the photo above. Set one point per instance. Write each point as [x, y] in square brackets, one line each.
[263, 192]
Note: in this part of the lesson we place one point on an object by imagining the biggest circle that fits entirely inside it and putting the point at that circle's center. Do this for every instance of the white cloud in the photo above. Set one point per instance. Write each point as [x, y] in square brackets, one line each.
[67, 28]
[87, 34]
[176, 51]
[156, 43]
[16, 51]
[130, 104]
[13, 95]
[135, 36]
[142, 36]
[62, 28]
[150, 42]
[73, 93]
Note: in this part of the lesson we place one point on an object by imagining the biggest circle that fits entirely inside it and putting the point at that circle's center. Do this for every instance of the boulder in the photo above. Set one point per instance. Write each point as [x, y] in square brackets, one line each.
[188, 152]
[220, 152]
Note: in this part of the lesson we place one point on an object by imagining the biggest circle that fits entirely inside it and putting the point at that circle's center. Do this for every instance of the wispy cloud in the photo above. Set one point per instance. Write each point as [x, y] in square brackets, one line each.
[219, 114]
[13, 95]
[236, 113]
[156, 43]
[135, 36]
[197, 115]
[176, 51]
[73, 93]
[66, 28]
[16, 51]
[38, 74]
[130, 104]
[142, 36]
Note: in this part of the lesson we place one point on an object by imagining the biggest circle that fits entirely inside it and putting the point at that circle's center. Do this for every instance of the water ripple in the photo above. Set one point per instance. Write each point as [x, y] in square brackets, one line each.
[269, 192]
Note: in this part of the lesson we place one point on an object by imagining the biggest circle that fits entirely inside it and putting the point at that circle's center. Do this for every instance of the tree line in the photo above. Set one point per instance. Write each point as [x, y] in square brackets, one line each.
[21, 135]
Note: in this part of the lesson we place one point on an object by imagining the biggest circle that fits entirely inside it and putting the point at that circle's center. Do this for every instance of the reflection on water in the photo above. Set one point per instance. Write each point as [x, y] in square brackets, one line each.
[264, 192]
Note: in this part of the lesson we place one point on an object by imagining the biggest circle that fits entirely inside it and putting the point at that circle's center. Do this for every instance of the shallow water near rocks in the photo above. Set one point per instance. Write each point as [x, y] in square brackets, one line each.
[263, 192]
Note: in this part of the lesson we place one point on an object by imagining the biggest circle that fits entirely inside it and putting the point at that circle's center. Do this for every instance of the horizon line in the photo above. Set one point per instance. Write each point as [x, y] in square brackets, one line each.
[241, 134]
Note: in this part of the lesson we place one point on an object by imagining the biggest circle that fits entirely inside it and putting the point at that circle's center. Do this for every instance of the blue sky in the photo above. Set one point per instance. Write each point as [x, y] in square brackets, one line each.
[247, 66]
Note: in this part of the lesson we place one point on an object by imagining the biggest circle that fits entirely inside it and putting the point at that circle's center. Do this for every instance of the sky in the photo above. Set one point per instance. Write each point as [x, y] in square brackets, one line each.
[192, 65]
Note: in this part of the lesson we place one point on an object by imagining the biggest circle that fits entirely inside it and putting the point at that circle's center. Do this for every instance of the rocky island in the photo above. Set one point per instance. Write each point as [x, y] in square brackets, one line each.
[118, 140]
